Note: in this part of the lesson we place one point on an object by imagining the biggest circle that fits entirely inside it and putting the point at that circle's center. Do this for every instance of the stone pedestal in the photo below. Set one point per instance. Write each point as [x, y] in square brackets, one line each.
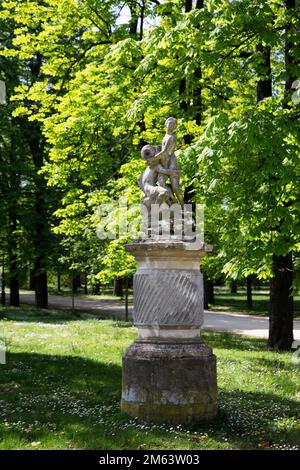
[169, 373]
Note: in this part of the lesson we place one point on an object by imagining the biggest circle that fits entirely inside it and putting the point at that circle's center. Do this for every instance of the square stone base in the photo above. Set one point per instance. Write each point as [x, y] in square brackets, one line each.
[169, 382]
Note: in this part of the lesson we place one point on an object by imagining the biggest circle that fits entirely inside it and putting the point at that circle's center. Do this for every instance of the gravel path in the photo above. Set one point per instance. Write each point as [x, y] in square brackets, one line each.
[240, 323]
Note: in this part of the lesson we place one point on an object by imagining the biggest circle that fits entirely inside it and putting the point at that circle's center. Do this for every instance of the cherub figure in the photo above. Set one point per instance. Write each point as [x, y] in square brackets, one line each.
[155, 193]
[162, 164]
[166, 164]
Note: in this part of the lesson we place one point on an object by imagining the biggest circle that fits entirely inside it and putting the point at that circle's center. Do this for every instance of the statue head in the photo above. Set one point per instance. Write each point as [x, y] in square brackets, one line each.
[171, 124]
[149, 151]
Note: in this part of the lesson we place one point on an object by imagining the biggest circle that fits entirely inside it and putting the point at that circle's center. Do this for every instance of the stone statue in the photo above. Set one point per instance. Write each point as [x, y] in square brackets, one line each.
[169, 373]
[162, 165]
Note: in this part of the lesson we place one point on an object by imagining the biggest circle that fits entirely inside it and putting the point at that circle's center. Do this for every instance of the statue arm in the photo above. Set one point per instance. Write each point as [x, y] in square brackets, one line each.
[167, 171]
[155, 160]
[166, 152]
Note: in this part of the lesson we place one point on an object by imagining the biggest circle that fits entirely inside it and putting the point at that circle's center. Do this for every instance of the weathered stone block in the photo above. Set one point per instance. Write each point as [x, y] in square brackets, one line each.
[170, 383]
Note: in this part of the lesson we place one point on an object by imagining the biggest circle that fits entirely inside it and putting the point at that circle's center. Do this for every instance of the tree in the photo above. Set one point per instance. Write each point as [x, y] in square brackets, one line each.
[119, 70]
[249, 159]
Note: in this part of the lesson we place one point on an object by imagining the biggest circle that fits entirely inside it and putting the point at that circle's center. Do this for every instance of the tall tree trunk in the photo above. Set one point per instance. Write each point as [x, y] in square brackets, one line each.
[31, 279]
[76, 280]
[249, 292]
[41, 229]
[40, 262]
[289, 58]
[281, 300]
[40, 283]
[233, 287]
[281, 303]
[14, 299]
[264, 83]
[281, 287]
[188, 5]
[12, 222]
[209, 290]
[118, 287]
[3, 283]
[197, 93]
[58, 281]
[96, 288]
[85, 283]
[134, 18]
[197, 107]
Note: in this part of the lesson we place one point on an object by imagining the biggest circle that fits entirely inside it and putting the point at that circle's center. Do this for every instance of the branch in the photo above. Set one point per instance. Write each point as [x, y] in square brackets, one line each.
[238, 46]
[78, 59]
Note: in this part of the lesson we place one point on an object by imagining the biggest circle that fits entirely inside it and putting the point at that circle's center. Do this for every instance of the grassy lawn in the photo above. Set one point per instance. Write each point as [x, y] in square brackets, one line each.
[60, 389]
[227, 302]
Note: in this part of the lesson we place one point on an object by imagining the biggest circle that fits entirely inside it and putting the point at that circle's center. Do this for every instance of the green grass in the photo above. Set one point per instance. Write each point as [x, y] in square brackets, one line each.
[227, 302]
[60, 389]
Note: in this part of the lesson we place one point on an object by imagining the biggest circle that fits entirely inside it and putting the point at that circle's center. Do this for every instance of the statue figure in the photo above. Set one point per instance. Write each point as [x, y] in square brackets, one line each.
[162, 165]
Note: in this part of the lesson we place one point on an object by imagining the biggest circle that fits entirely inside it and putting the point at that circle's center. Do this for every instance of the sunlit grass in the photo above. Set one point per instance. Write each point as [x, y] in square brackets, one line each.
[60, 389]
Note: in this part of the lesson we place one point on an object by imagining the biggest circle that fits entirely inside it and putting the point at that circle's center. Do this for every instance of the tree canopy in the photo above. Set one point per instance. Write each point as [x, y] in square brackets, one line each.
[90, 82]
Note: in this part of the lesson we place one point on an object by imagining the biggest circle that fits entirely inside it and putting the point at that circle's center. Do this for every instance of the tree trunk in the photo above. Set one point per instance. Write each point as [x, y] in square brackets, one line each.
[96, 288]
[76, 281]
[249, 292]
[264, 83]
[41, 237]
[197, 92]
[40, 283]
[233, 287]
[209, 290]
[85, 283]
[3, 285]
[58, 281]
[14, 299]
[281, 303]
[31, 279]
[41, 247]
[188, 5]
[281, 299]
[118, 287]
[289, 58]
[14, 181]
[73, 293]
[134, 19]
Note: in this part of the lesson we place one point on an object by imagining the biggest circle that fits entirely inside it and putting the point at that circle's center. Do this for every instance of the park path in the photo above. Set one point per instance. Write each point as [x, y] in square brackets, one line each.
[249, 325]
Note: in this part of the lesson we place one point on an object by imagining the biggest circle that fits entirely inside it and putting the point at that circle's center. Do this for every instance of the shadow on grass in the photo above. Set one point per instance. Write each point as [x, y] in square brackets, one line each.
[46, 370]
[71, 401]
[233, 341]
[32, 314]
[58, 398]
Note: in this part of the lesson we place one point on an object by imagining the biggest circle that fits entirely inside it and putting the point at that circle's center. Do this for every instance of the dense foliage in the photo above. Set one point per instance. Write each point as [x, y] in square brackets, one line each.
[89, 82]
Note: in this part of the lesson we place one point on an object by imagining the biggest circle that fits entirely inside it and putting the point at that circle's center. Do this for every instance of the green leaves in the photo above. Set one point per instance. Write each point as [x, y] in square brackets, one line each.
[253, 165]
